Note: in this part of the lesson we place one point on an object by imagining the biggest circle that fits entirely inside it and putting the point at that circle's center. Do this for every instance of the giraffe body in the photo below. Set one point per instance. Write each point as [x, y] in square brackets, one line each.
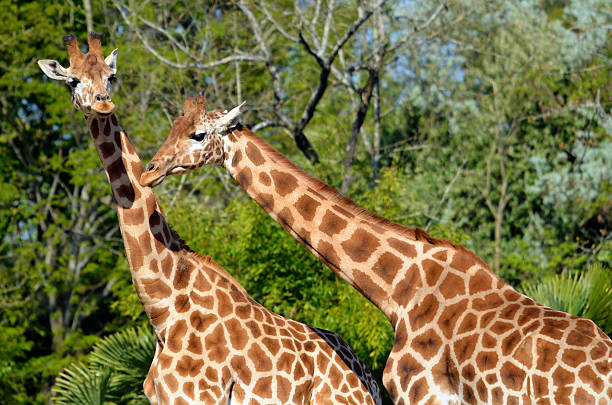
[462, 334]
[220, 345]
[214, 343]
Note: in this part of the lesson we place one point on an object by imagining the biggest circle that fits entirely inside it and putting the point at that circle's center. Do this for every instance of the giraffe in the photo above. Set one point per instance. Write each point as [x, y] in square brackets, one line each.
[215, 344]
[462, 335]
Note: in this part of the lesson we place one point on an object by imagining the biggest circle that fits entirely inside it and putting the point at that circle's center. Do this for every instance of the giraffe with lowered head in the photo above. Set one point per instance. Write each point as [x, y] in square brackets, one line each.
[215, 345]
[462, 335]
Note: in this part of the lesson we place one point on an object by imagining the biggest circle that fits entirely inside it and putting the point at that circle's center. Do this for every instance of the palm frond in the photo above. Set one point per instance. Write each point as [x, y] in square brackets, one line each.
[112, 373]
[587, 294]
[78, 384]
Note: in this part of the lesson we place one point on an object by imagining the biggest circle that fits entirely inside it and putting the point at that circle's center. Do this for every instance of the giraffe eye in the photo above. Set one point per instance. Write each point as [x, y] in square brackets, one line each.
[112, 79]
[72, 82]
[198, 136]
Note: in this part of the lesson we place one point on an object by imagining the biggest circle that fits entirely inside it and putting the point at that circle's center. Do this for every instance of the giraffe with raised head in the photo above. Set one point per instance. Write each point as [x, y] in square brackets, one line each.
[215, 345]
[462, 335]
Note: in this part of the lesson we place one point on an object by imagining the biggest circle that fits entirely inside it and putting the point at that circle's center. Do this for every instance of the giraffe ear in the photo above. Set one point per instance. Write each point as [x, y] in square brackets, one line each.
[53, 69]
[230, 119]
[111, 60]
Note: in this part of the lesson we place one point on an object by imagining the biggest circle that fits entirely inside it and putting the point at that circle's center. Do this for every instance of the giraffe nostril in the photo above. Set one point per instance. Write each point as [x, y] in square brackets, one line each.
[102, 97]
[150, 166]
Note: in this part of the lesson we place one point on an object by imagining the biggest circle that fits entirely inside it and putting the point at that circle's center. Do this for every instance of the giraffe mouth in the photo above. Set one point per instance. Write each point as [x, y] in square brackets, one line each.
[154, 178]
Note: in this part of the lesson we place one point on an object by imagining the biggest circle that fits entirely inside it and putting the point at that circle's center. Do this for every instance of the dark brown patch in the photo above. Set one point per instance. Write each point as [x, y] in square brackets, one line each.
[387, 266]
[509, 312]
[259, 358]
[107, 149]
[171, 382]
[432, 270]
[254, 154]
[486, 360]
[181, 303]
[481, 281]
[468, 324]
[328, 253]
[332, 224]
[360, 246]
[237, 334]
[445, 373]
[265, 201]
[406, 287]
[245, 178]
[562, 377]
[424, 312]
[216, 345]
[307, 207]
[512, 376]
[464, 348]
[203, 301]
[418, 390]
[200, 283]
[449, 317]
[156, 288]
[239, 365]
[93, 127]
[452, 286]
[510, 342]
[194, 344]
[224, 304]
[176, 334]
[236, 158]
[588, 376]
[583, 397]
[468, 372]
[188, 389]
[159, 315]
[407, 368]
[368, 287]
[182, 275]
[404, 248]
[264, 179]
[468, 395]
[283, 389]
[441, 255]
[201, 321]
[547, 355]
[573, 358]
[540, 386]
[488, 341]
[107, 127]
[462, 261]
[284, 183]
[188, 366]
[285, 217]
[115, 170]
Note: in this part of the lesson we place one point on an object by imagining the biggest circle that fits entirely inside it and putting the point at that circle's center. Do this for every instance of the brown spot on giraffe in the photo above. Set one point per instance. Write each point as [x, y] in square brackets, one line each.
[254, 154]
[360, 246]
[284, 183]
[387, 266]
[307, 207]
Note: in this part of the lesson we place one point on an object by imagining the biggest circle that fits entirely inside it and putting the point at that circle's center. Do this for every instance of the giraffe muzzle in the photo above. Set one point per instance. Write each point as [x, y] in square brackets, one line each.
[103, 107]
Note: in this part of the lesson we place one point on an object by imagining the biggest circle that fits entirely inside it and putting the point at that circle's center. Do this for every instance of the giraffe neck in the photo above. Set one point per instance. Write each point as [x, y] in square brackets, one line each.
[152, 248]
[388, 263]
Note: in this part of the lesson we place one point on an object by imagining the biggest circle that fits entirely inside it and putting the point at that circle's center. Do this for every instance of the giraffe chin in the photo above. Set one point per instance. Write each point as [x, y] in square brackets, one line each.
[151, 179]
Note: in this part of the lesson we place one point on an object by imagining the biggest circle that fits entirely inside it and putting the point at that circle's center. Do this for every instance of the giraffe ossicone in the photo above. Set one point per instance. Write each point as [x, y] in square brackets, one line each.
[462, 335]
[215, 344]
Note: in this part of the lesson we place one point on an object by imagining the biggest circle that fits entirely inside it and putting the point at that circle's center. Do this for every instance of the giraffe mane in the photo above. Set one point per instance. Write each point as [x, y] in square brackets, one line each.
[413, 233]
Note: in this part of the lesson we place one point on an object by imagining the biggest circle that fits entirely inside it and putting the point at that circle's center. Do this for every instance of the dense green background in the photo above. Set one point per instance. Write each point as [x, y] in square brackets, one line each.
[495, 132]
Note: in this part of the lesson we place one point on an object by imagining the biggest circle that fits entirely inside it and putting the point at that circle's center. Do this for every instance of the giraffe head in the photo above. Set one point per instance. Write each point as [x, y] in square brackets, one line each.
[195, 140]
[89, 75]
